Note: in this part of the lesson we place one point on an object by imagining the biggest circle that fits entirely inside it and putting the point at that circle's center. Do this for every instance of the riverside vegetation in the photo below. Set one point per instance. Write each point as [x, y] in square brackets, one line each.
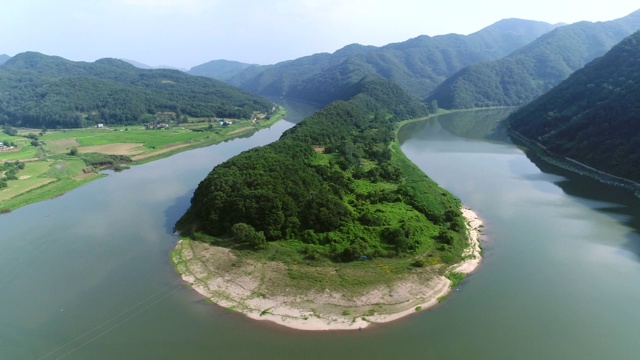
[56, 161]
[333, 187]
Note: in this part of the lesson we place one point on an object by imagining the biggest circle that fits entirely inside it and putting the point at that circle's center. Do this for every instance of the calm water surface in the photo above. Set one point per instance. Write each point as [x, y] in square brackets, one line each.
[87, 275]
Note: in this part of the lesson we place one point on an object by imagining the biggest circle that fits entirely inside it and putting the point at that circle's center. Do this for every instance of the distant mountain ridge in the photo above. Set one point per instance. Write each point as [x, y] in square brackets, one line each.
[4, 58]
[417, 65]
[537, 67]
[222, 70]
[140, 65]
[594, 115]
[39, 90]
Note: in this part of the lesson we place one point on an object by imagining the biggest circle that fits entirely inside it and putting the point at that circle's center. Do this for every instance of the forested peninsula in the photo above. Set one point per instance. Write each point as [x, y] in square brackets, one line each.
[593, 116]
[332, 210]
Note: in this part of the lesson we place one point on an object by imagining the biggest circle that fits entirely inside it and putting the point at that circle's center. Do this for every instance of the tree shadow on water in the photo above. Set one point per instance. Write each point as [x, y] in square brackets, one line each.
[616, 202]
[174, 212]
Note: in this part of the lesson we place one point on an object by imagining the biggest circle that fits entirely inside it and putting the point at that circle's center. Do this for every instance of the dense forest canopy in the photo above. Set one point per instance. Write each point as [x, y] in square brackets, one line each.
[417, 65]
[334, 186]
[534, 69]
[47, 91]
[594, 115]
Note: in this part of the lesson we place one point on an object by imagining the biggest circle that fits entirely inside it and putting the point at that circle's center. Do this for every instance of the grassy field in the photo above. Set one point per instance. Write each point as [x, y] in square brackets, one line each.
[50, 170]
[23, 151]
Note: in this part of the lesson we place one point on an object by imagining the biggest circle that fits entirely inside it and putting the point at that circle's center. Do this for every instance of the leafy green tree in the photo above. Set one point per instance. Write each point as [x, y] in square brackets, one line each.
[9, 130]
[433, 107]
[245, 233]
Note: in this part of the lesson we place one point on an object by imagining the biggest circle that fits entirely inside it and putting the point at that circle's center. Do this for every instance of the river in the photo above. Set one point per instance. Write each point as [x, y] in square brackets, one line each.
[87, 275]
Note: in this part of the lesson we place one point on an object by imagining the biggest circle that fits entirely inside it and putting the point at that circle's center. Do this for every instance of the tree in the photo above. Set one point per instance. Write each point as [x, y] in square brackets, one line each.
[433, 108]
[245, 233]
[10, 130]
[73, 151]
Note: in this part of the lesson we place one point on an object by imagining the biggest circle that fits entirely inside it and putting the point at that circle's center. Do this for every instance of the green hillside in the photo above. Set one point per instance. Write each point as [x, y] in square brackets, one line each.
[534, 69]
[47, 91]
[333, 188]
[418, 65]
[594, 115]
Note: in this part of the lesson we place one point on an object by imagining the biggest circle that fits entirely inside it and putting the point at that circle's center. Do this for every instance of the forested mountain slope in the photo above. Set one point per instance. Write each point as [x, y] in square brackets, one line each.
[332, 188]
[417, 65]
[594, 115]
[534, 69]
[4, 58]
[37, 90]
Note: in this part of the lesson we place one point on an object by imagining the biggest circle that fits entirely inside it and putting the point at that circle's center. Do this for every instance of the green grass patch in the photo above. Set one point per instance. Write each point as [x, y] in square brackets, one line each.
[150, 138]
[63, 169]
[25, 151]
[456, 278]
[46, 191]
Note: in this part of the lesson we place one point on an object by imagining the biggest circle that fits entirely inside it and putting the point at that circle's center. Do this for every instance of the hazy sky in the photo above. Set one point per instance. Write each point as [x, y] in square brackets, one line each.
[185, 33]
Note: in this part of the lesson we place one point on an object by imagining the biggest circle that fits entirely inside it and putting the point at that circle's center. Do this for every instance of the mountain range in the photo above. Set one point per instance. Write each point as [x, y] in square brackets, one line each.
[418, 65]
[508, 63]
[532, 70]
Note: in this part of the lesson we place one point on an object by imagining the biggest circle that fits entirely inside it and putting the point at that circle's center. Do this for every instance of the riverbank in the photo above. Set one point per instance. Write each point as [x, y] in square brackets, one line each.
[572, 165]
[56, 171]
[259, 290]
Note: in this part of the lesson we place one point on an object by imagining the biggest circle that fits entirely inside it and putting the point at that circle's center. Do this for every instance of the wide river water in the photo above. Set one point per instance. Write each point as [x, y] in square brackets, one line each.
[87, 275]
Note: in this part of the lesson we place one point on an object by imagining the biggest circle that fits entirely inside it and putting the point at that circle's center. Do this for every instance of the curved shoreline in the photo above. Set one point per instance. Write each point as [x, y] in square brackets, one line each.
[328, 310]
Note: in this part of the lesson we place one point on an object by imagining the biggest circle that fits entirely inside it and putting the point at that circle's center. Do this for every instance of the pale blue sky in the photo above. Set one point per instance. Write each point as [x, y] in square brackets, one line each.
[185, 33]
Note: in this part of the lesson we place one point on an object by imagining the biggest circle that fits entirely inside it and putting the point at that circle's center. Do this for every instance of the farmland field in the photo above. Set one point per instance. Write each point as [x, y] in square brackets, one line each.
[57, 161]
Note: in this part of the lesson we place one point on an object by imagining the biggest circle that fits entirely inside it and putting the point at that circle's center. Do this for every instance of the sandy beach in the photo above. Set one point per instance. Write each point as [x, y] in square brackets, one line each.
[206, 269]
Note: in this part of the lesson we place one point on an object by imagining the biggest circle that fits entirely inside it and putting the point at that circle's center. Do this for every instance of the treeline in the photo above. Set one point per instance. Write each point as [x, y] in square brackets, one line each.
[44, 91]
[332, 184]
[593, 116]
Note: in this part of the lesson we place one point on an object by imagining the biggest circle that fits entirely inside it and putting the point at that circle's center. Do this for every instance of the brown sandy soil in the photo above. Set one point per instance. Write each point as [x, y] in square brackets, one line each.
[21, 160]
[127, 149]
[62, 145]
[159, 152]
[240, 130]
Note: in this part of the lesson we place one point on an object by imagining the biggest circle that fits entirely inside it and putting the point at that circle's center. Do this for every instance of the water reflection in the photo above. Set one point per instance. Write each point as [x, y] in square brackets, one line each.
[618, 203]
[478, 124]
